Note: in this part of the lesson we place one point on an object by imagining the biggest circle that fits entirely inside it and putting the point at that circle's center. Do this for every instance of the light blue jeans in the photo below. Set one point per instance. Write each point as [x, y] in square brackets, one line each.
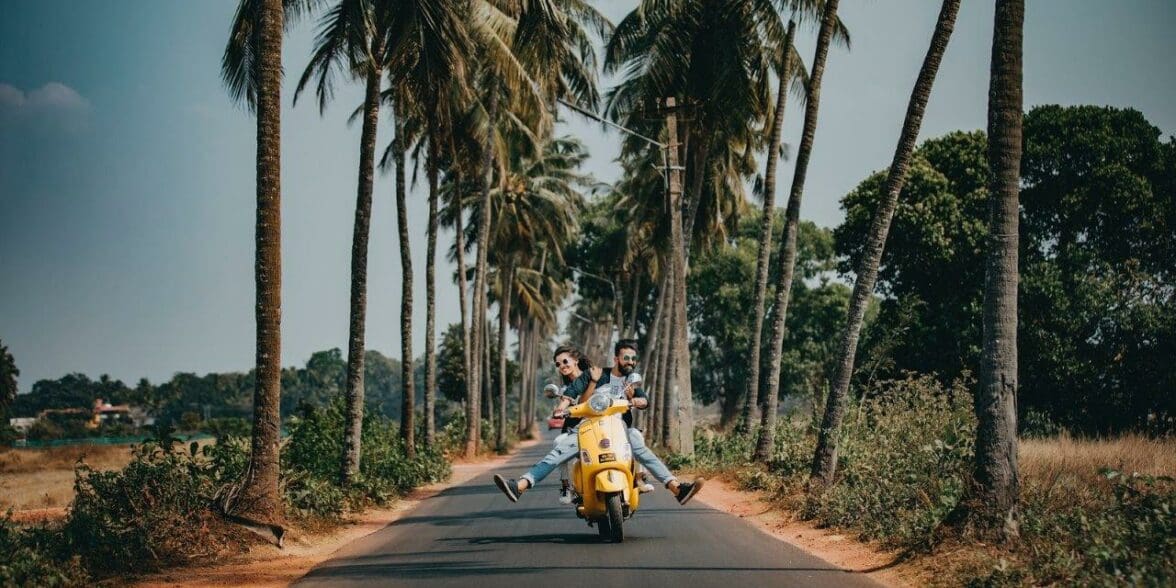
[567, 447]
[646, 457]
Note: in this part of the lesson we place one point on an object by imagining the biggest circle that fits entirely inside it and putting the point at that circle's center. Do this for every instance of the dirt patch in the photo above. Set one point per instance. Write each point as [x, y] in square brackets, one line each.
[838, 549]
[266, 565]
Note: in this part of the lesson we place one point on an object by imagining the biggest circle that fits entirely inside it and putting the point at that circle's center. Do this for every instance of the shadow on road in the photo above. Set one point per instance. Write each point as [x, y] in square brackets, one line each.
[437, 570]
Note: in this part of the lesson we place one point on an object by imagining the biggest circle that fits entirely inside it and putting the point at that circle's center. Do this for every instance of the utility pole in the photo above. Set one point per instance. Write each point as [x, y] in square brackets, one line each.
[680, 402]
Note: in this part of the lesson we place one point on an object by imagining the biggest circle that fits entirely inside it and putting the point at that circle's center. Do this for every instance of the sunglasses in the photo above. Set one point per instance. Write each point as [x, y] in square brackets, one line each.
[564, 361]
[629, 358]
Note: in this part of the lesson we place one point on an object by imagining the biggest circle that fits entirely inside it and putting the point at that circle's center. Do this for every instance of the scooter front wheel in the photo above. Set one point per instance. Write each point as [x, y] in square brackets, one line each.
[615, 518]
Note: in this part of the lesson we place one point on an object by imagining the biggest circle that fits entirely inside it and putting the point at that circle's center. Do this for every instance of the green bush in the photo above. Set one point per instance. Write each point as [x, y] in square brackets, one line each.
[1125, 537]
[153, 512]
[35, 556]
[311, 460]
[905, 458]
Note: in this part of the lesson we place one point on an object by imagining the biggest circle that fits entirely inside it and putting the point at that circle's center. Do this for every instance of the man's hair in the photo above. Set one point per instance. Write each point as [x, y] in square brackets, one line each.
[625, 344]
[568, 349]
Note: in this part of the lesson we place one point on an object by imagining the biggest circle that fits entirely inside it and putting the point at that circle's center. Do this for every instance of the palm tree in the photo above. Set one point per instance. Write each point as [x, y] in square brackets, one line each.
[251, 68]
[997, 485]
[353, 37]
[430, 66]
[512, 83]
[787, 258]
[825, 458]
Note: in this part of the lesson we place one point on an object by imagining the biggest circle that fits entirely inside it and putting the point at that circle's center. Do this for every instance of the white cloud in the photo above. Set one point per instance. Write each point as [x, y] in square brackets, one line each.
[54, 104]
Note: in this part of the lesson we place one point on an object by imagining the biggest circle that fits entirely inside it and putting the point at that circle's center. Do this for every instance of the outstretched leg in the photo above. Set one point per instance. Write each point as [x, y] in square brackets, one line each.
[645, 456]
[566, 448]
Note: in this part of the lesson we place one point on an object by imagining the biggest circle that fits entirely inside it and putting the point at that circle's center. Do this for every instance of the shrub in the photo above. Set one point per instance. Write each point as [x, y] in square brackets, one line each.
[905, 458]
[154, 512]
[311, 461]
[35, 556]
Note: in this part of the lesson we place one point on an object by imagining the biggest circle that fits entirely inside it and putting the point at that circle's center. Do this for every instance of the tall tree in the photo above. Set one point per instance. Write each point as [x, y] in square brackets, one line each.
[252, 70]
[8, 375]
[787, 258]
[352, 38]
[996, 482]
[765, 240]
[825, 458]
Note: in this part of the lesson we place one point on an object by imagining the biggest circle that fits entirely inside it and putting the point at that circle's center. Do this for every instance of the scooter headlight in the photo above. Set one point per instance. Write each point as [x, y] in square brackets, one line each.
[599, 402]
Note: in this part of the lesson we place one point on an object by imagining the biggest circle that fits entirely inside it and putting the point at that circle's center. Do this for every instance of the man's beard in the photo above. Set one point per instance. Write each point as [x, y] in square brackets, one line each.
[625, 369]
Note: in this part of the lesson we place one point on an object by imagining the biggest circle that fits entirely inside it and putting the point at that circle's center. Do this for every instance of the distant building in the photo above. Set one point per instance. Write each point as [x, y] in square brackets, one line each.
[105, 412]
[22, 424]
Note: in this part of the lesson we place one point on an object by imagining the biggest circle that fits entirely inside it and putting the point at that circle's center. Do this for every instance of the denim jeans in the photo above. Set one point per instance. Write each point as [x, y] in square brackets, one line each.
[567, 448]
[645, 456]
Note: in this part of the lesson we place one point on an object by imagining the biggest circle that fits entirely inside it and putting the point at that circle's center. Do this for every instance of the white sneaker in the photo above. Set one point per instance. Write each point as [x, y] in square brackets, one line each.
[646, 487]
[565, 495]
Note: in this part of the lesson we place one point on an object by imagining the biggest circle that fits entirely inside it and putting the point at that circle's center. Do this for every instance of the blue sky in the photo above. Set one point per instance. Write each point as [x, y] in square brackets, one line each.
[126, 174]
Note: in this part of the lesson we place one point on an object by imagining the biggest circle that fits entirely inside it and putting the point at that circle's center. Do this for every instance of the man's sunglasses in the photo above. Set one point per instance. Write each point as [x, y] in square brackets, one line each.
[629, 358]
[564, 361]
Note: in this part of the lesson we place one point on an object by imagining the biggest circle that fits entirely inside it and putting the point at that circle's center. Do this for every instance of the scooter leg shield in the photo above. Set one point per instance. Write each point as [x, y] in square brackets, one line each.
[611, 481]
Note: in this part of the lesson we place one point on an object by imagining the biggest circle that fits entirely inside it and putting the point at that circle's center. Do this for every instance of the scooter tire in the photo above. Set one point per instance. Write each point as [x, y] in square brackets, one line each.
[615, 518]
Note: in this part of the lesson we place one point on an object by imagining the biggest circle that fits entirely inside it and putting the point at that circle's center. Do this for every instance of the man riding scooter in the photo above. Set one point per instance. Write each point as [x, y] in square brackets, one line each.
[584, 385]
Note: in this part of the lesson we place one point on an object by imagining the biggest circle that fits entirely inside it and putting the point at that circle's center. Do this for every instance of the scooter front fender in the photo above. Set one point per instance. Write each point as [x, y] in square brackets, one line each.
[611, 481]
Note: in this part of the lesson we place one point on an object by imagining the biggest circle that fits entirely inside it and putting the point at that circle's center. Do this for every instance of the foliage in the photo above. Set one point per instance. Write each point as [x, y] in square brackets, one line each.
[35, 556]
[311, 461]
[1098, 294]
[152, 513]
[721, 289]
[451, 380]
[8, 375]
[905, 462]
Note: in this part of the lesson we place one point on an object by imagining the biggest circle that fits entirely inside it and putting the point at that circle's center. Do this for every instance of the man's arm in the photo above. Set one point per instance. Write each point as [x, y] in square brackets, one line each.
[639, 398]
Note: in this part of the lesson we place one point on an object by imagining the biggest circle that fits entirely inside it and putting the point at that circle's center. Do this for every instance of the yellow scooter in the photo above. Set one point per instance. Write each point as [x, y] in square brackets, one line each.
[603, 476]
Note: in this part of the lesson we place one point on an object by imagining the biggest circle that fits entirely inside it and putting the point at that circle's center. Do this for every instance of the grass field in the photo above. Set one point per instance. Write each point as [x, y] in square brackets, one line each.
[43, 478]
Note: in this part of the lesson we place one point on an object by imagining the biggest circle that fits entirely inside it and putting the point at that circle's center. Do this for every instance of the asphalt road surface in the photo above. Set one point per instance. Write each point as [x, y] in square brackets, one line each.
[471, 536]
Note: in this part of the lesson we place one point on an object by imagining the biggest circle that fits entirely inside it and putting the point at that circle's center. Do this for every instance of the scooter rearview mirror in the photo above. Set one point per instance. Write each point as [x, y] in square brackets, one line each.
[551, 390]
[635, 379]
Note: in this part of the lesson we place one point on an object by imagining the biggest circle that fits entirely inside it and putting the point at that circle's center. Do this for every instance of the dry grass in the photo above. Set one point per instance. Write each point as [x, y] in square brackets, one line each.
[43, 478]
[1069, 459]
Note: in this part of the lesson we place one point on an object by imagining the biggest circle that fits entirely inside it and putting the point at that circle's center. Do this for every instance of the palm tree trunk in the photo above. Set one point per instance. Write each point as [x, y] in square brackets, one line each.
[260, 499]
[751, 397]
[503, 326]
[430, 296]
[353, 430]
[825, 458]
[662, 425]
[487, 377]
[651, 350]
[681, 403]
[480, 284]
[618, 315]
[792, 222]
[471, 404]
[997, 485]
[693, 201]
[407, 432]
[632, 330]
[521, 354]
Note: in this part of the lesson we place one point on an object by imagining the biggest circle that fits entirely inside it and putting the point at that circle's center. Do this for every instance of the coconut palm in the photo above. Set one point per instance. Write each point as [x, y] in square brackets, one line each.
[353, 41]
[787, 257]
[534, 206]
[825, 458]
[251, 69]
[997, 486]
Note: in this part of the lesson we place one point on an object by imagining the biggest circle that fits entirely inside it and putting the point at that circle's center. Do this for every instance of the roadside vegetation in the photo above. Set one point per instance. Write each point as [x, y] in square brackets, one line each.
[1095, 511]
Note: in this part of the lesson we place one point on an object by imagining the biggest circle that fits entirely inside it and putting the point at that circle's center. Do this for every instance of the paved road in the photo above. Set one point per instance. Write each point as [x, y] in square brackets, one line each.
[471, 536]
